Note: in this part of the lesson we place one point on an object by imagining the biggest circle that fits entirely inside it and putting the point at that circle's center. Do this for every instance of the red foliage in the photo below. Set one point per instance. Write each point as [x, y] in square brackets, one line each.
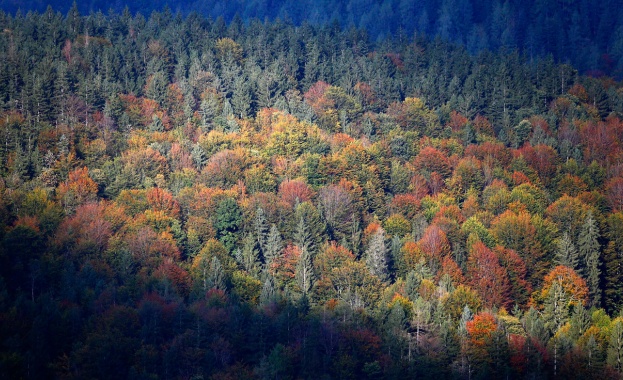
[601, 140]
[482, 125]
[487, 276]
[543, 158]
[406, 204]
[519, 288]
[180, 158]
[433, 160]
[457, 121]
[293, 191]
[495, 151]
[87, 230]
[434, 243]
[419, 186]
[178, 277]
[161, 200]
[315, 95]
[614, 193]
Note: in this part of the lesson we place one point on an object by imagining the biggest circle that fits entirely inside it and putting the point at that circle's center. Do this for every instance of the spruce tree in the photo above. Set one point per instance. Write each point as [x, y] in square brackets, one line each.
[272, 247]
[567, 254]
[376, 255]
[589, 252]
[305, 272]
[615, 346]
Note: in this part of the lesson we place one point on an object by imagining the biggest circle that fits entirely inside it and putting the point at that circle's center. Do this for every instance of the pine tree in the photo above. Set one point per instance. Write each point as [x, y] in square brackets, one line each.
[567, 254]
[376, 255]
[589, 252]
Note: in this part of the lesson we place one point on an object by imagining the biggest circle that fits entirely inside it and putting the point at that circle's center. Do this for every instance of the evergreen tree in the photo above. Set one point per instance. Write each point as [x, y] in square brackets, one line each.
[613, 278]
[216, 278]
[589, 249]
[273, 246]
[268, 295]
[260, 228]
[376, 255]
[305, 272]
[567, 254]
[615, 346]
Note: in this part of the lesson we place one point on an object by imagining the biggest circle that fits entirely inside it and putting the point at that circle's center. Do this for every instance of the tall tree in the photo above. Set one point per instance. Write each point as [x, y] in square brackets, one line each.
[589, 250]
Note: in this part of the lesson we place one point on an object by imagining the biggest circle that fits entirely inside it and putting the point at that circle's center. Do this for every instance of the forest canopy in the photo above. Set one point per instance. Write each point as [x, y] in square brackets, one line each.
[185, 197]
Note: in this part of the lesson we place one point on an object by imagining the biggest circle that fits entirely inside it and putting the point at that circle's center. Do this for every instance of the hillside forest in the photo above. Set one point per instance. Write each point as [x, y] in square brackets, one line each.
[187, 198]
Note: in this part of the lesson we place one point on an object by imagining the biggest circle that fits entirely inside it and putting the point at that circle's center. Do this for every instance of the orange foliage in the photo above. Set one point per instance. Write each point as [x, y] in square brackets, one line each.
[519, 178]
[412, 254]
[78, 188]
[451, 268]
[569, 280]
[332, 256]
[480, 329]
[284, 265]
[162, 200]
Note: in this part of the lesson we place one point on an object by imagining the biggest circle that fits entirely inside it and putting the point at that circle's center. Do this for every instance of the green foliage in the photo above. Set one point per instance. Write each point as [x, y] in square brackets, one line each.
[159, 220]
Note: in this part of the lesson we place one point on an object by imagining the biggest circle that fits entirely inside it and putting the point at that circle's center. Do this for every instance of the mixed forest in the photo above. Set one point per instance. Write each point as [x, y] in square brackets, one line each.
[187, 198]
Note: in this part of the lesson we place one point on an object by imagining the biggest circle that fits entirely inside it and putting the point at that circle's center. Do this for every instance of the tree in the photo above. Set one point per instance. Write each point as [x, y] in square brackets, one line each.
[615, 346]
[487, 276]
[589, 252]
[305, 271]
[227, 220]
[376, 255]
[567, 254]
[273, 246]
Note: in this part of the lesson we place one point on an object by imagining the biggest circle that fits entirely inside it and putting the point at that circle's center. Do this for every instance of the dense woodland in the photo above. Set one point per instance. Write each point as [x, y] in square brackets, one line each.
[187, 198]
[586, 33]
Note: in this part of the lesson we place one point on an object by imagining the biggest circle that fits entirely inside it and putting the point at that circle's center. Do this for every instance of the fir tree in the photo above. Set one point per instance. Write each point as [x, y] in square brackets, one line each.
[376, 255]
[567, 254]
[589, 252]
[273, 246]
[304, 272]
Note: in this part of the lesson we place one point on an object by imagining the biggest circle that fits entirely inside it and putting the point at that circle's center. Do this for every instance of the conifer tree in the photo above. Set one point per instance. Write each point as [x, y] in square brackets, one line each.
[216, 277]
[567, 254]
[376, 255]
[589, 252]
[615, 346]
[305, 272]
[273, 246]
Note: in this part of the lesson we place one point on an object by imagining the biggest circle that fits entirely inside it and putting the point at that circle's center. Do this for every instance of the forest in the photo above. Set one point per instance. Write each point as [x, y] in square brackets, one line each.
[184, 197]
[585, 33]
